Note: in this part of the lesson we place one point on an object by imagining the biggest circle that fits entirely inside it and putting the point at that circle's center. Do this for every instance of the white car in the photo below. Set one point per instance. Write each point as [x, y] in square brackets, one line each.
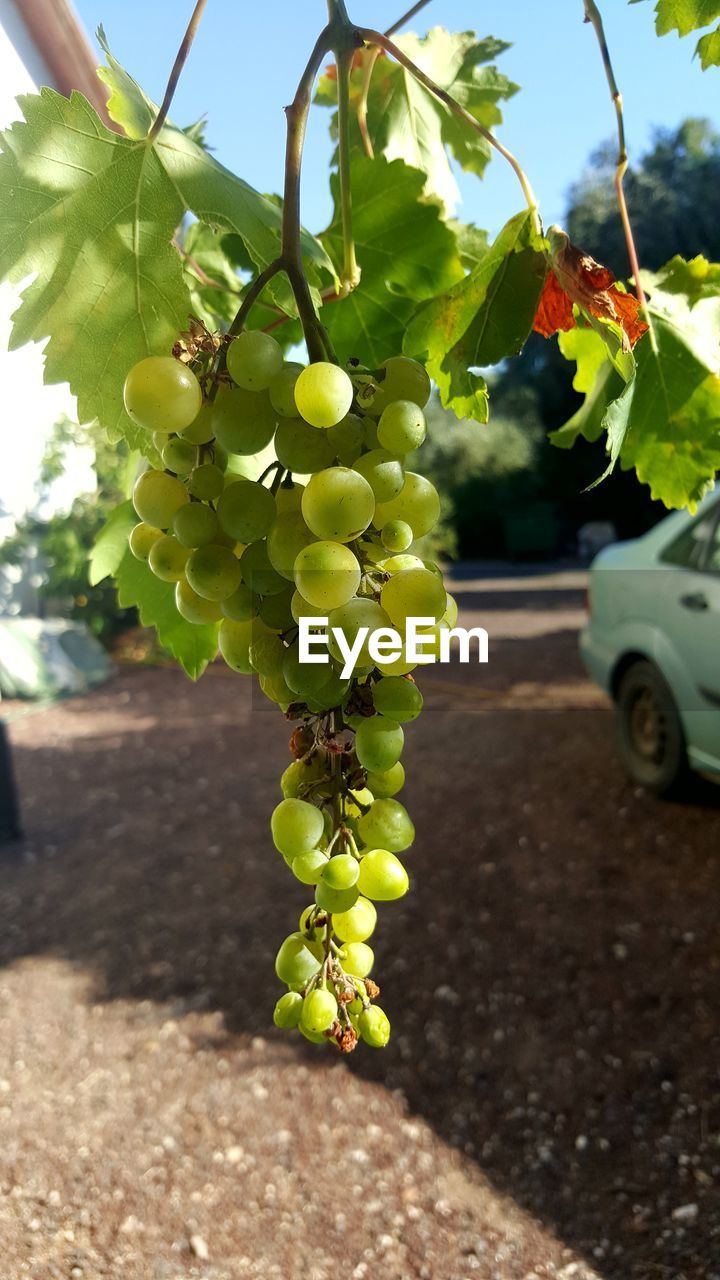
[653, 643]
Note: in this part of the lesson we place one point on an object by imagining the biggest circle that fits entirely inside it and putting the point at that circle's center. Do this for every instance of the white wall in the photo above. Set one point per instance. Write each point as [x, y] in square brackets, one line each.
[29, 408]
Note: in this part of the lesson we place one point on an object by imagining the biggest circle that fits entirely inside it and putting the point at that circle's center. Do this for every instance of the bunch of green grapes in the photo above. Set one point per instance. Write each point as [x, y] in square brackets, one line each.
[253, 556]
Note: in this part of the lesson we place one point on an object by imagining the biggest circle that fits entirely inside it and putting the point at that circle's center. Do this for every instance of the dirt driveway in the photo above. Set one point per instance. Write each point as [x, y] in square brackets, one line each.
[550, 1102]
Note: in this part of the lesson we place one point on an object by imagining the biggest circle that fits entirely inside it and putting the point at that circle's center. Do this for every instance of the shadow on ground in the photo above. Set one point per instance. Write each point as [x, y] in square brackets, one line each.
[552, 979]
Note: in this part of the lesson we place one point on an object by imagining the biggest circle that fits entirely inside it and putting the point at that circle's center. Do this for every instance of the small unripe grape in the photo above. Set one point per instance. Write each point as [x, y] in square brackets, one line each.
[396, 535]
[341, 871]
[194, 608]
[357, 959]
[374, 1027]
[157, 496]
[314, 1037]
[288, 1010]
[275, 688]
[357, 923]
[413, 593]
[404, 379]
[338, 504]
[234, 640]
[168, 558]
[257, 571]
[301, 448]
[200, 431]
[243, 421]
[282, 389]
[319, 1010]
[323, 394]
[347, 439]
[266, 654]
[253, 359]
[206, 481]
[295, 962]
[214, 572]
[379, 743]
[289, 498]
[327, 574]
[417, 503]
[246, 510]
[335, 899]
[308, 867]
[162, 394]
[388, 782]
[397, 698]
[349, 619]
[387, 825]
[383, 472]
[402, 427]
[195, 525]
[275, 610]
[287, 536]
[142, 539]
[296, 827]
[179, 455]
[382, 876]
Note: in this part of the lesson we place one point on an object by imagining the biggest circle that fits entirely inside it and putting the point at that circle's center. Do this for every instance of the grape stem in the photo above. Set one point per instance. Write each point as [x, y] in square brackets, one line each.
[594, 18]
[176, 72]
[372, 57]
[377, 39]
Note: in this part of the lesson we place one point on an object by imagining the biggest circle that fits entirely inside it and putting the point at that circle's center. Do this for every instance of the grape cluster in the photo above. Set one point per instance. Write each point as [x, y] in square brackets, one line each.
[255, 557]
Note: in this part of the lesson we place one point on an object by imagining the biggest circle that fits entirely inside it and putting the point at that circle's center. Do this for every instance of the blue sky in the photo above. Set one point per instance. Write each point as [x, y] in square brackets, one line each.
[247, 58]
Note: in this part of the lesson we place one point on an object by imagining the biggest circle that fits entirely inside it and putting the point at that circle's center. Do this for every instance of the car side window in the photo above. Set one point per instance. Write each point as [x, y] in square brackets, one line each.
[689, 549]
[712, 563]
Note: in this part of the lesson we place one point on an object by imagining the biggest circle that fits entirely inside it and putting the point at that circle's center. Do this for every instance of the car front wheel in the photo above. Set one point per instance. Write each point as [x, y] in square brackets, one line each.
[652, 743]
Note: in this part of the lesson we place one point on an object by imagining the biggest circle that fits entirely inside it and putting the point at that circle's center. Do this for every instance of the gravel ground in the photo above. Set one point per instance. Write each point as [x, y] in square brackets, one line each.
[549, 1105]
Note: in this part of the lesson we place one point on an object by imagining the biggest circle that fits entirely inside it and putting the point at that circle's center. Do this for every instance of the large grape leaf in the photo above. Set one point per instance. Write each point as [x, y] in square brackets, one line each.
[192, 646]
[482, 319]
[111, 543]
[405, 251]
[665, 420]
[406, 122]
[686, 16]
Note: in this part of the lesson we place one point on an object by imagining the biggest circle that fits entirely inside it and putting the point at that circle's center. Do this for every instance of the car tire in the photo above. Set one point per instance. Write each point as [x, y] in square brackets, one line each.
[651, 738]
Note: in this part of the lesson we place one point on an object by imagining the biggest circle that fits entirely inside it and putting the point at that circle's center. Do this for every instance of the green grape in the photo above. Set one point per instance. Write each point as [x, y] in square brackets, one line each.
[383, 472]
[275, 610]
[194, 608]
[402, 427]
[287, 536]
[396, 535]
[288, 1010]
[234, 639]
[200, 431]
[275, 688]
[266, 654]
[338, 504]
[289, 498]
[179, 455]
[347, 439]
[296, 827]
[241, 606]
[157, 496]
[253, 359]
[357, 923]
[432, 641]
[308, 867]
[334, 899]
[387, 825]
[404, 380]
[374, 1027]
[319, 1010]
[257, 571]
[388, 783]
[313, 1036]
[327, 574]
[332, 694]
[213, 572]
[161, 394]
[451, 612]
[341, 871]
[142, 538]
[379, 743]
[417, 504]
[357, 959]
[396, 564]
[303, 609]
[302, 449]
[349, 619]
[315, 932]
[195, 525]
[413, 593]
[295, 962]
[246, 510]
[371, 435]
[282, 389]
[243, 421]
[168, 558]
[206, 481]
[397, 698]
[306, 679]
[382, 876]
[300, 774]
[323, 394]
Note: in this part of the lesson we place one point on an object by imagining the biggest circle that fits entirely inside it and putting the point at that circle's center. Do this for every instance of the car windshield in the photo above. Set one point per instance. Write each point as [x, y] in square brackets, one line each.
[691, 548]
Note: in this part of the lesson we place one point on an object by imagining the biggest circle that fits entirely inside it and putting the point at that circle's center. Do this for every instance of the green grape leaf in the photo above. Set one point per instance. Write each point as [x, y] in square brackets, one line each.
[193, 647]
[111, 543]
[482, 319]
[213, 282]
[685, 16]
[405, 252]
[472, 242]
[708, 49]
[696, 278]
[407, 122]
[665, 421]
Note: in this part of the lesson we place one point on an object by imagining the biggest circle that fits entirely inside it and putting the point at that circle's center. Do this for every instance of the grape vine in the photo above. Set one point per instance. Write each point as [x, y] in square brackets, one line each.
[271, 491]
